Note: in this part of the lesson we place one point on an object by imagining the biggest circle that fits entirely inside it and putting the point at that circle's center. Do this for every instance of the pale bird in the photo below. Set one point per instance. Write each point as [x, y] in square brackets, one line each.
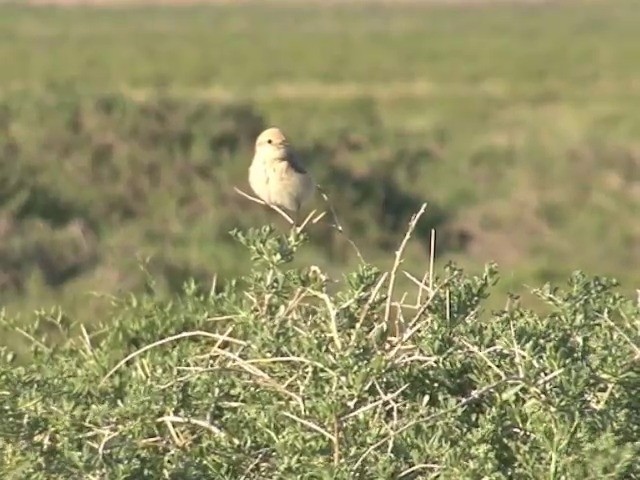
[276, 174]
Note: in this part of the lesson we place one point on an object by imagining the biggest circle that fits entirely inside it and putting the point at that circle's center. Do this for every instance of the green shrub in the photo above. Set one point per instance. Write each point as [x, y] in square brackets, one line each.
[288, 373]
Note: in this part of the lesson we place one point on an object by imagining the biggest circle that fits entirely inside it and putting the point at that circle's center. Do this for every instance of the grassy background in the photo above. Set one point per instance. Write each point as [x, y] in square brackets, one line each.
[123, 131]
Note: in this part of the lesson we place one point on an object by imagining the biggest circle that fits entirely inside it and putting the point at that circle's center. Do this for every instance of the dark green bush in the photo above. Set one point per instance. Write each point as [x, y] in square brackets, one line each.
[154, 178]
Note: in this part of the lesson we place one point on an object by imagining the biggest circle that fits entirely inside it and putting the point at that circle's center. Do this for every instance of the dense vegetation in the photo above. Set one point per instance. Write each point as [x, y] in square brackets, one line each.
[281, 375]
[159, 325]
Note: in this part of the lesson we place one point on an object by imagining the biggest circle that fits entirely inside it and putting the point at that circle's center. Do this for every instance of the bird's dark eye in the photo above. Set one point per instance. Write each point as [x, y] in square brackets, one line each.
[269, 141]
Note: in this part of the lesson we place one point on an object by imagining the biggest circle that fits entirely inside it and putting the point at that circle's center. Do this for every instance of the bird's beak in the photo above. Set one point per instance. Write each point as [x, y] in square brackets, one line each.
[283, 146]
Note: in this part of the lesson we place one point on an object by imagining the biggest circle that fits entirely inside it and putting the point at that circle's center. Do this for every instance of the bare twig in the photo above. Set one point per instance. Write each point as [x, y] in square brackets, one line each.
[311, 425]
[177, 439]
[169, 419]
[336, 222]
[325, 197]
[367, 306]
[290, 359]
[420, 466]
[284, 215]
[483, 356]
[262, 453]
[308, 219]
[87, 340]
[263, 377]
[168, 340]
[398, 259]
[384, 399]
[464, 402]
[33, 339]
[336, 443]
[332, 316]
[635, 347]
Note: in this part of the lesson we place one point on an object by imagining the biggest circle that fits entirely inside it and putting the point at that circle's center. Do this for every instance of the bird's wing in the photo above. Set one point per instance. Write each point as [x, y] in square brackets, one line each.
[295, 163]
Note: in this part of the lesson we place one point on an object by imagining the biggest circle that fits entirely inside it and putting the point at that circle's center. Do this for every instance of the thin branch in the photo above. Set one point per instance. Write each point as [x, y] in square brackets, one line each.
[367, 306]
[635, 347]
[309, 219]
[33, 339]
[336, 223]
[169, 419]
[290, 359]
[484, 357]
[432, 255]
[420, 466]
[262, 453]
[336, 443]
[325, 197]
[87, 340]
[332, 316]
[378, 402]
[398, 260]
[311, 425]
[168, 340]
[461, 404]
[284, 215]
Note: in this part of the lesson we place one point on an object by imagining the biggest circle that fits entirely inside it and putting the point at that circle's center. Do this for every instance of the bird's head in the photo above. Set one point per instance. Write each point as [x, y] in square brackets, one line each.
[272, 142]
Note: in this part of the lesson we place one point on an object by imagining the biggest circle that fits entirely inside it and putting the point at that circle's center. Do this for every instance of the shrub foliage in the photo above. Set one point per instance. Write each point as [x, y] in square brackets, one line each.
[288, 373]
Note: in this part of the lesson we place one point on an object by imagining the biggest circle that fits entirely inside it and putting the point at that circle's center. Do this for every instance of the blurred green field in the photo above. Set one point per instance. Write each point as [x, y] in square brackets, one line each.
[123, 131]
